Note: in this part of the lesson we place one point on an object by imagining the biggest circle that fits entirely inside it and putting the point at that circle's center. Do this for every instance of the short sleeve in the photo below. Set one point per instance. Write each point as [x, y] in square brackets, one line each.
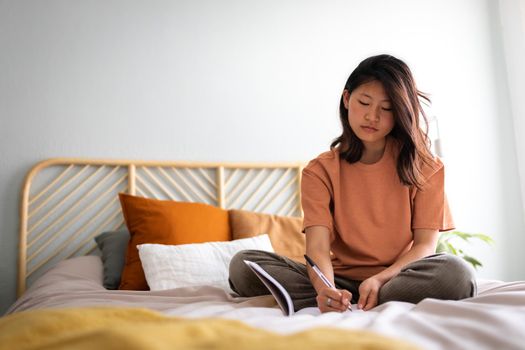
[316, 199]
[430, 205]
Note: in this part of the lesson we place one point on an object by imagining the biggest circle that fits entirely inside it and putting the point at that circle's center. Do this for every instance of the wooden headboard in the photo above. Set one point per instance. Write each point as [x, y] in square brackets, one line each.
[67, 202]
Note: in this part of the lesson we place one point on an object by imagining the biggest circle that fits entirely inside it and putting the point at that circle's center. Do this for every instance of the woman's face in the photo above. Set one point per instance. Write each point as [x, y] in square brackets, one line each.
[370, 113]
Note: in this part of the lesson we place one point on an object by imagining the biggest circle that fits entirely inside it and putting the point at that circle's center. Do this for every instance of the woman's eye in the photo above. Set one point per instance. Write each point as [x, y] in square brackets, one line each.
[364, 104]
[387, 109]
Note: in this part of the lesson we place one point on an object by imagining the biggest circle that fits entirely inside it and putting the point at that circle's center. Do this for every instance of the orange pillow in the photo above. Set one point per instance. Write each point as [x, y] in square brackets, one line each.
[284, 231]
[166, 222]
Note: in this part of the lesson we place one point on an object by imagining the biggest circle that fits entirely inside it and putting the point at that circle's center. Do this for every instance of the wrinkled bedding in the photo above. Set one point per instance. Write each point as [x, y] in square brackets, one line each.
[494, 319]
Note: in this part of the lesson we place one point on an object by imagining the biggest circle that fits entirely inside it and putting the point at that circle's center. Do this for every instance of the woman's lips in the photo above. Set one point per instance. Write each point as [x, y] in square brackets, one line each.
[368, 129]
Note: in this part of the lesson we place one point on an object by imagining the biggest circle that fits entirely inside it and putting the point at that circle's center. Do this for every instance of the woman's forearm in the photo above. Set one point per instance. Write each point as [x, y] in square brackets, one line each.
[318, 249]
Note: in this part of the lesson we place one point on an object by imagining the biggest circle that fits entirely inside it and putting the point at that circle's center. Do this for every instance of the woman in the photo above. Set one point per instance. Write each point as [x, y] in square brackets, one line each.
[373, 206]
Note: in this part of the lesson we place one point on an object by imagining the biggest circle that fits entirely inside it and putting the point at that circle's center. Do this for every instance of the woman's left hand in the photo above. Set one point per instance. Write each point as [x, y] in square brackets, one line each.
[369, 293]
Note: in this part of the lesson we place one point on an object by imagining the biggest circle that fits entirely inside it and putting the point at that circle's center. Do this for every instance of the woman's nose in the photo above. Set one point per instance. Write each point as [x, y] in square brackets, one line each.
[372, 115]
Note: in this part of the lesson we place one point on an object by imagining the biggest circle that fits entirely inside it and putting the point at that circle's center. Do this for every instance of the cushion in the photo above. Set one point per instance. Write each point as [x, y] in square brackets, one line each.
[185, 265]
[166, 222]
[284, 231]
[113, 245]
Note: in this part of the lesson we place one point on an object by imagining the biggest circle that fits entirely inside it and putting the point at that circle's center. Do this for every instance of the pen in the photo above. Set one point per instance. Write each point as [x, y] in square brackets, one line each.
[320, 274]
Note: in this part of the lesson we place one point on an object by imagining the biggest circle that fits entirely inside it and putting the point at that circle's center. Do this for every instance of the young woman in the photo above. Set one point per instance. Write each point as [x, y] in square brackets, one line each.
[373, 206]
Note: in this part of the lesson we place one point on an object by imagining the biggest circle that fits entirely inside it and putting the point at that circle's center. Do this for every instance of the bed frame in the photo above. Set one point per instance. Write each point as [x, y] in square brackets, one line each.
[66, 202]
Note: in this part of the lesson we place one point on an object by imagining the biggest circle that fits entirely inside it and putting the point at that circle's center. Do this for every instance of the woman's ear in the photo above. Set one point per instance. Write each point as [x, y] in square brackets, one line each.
[346, 98]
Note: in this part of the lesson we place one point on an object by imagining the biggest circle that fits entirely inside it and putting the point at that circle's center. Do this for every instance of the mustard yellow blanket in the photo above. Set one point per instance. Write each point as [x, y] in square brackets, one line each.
[131, 328]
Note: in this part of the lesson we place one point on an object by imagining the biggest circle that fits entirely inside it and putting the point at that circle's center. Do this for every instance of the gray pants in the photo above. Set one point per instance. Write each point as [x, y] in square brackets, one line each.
[439, 276]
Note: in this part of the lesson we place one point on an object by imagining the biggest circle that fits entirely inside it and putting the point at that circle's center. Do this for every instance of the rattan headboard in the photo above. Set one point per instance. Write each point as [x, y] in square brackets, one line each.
[67, 202]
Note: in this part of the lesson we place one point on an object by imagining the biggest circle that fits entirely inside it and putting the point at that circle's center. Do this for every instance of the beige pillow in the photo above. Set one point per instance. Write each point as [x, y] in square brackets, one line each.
[284, 231]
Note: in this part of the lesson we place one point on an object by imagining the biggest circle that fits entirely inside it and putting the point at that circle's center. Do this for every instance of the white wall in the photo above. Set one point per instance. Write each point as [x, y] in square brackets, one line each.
[512, 18]
[248, 81]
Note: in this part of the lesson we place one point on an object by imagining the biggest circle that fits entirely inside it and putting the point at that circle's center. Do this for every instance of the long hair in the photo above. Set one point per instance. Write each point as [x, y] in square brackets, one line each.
[406, 99]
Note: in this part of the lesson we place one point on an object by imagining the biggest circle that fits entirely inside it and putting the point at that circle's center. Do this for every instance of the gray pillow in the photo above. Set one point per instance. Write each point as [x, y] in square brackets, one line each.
[113, 245]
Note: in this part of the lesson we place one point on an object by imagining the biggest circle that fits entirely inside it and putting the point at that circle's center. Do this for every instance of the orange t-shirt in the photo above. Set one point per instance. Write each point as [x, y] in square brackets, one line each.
[369, 212]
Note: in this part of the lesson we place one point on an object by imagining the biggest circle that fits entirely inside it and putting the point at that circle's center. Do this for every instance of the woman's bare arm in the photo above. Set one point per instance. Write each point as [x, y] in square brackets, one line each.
[318, 249]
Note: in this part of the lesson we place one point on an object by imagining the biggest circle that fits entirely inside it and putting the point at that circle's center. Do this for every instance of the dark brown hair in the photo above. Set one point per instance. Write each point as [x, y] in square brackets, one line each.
[406, 100]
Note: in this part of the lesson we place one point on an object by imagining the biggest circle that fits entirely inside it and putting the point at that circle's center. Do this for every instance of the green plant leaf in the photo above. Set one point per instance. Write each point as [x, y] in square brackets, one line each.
[467, 236]
[443, 247]
[460, 234]
[484, 238]
[451, 249]
[473, 261]
[446, 242]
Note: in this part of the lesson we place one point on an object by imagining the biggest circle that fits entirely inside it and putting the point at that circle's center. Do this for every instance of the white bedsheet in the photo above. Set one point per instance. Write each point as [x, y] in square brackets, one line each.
[494, 319]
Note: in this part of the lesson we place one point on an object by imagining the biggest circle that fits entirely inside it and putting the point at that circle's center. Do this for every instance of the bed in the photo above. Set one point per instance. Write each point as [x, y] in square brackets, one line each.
[68, 287]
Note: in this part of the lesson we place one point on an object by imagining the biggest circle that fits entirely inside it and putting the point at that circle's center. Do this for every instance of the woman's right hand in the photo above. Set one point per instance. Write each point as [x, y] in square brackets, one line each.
[331, 299]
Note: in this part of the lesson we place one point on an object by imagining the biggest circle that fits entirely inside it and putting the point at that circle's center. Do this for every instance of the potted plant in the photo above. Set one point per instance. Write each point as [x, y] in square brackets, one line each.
[446, 245]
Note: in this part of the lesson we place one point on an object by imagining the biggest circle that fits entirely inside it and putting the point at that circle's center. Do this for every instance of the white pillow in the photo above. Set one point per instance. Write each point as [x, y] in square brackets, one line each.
[184, 265]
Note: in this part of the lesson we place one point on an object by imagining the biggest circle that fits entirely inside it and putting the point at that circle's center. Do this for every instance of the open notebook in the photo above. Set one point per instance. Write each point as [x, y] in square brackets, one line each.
[279, 293]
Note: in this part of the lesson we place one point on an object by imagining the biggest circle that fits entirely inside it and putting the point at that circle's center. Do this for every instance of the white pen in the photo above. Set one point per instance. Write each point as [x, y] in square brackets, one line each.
[321, 275]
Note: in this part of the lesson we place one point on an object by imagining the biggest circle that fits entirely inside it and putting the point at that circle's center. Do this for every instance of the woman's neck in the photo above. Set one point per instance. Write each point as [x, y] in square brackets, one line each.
[372, 152]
